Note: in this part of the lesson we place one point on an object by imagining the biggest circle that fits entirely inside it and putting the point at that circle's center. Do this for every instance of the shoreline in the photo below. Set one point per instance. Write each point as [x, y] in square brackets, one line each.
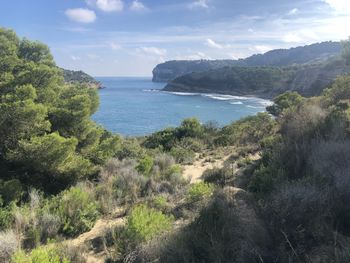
[224, 96]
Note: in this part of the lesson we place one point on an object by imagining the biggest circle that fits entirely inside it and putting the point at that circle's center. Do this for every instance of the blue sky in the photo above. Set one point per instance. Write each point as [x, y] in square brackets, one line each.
[129, 37]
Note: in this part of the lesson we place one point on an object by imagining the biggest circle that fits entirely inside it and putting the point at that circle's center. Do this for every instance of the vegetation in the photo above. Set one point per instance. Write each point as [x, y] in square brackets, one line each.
[40, 255]
[145, 223]
[71, 76]
[47, 137]
[171, 70]
[281, 195]
[199, 190]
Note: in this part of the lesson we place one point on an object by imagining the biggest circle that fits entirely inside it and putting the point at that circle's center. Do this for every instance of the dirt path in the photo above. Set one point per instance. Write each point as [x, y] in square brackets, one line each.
[193, 172]
[100, 229]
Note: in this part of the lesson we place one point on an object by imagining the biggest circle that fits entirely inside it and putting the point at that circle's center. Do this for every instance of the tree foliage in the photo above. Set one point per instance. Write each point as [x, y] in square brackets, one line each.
[284, 102]
[346, 51]
[46, 134]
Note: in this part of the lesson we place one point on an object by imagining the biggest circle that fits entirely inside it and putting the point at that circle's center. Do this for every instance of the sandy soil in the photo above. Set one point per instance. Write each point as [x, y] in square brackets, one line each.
[193, 172]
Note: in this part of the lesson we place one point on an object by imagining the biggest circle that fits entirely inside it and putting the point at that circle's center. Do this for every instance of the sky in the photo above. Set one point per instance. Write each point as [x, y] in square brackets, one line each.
[130, 37]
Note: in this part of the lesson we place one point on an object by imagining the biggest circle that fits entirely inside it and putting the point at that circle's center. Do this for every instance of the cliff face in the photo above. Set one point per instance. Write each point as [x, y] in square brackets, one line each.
[170, 70]
[264, 82]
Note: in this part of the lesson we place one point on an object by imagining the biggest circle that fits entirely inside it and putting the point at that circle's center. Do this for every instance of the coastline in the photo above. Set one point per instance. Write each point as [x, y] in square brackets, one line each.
[221, 96]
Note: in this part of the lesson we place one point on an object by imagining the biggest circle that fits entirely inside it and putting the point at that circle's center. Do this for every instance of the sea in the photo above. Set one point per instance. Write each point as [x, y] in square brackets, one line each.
[136, 106]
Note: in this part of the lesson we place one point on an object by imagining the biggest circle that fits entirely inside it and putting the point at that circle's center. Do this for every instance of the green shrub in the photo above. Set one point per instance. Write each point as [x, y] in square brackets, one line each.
[77, 209]
[216, 176]
[40, 255]
[5, 218]
[174, 169]
[160, 202]
[192, 144]
[247, 131]
[31, 223]
[165, 139]
[11, 191]
[262, 182]
[190, 127]
[163, 161]
[199, 191]
[130, 148]
[283, 102]
[145, 223]
[145, 165]
[119, 180]
[182, 155]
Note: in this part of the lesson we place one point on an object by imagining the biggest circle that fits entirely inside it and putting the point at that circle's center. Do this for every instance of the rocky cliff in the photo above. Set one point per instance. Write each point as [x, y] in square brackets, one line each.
[264, 82]
[170, 70]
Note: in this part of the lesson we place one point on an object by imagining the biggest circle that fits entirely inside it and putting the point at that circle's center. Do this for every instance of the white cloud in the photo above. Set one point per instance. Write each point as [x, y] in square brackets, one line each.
[199, 4]
[342, 6]
[75, 58]
[81, 15]
[292, 38]
[211, 43]
[107, 5]
[153, 51]
[293, 11]
[233, 56]
[262, 48]
[115, 46]
[137, 6]
[194, 56]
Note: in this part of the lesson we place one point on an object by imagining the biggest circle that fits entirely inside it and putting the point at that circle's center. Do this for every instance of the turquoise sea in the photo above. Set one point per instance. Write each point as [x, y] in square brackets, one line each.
[136, 106]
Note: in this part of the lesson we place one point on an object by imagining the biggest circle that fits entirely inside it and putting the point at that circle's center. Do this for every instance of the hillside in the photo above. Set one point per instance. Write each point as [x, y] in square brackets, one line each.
[72, 76]
[281, 57]
[265, 82]
[271, 188]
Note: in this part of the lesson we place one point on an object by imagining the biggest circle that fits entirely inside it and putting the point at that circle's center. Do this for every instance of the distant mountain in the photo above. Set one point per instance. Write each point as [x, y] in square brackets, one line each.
[318, 52]
[72, 76]
[264, 82]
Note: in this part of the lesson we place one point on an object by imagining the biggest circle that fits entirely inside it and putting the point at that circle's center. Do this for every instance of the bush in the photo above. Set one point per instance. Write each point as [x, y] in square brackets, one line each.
[216, 175]
[127, 184]
[288, 211]
[190, 127]
[130, 148]
[160, 202]
[8, 245]
[247, 131]
[198, 191]
[11, 191]
[40, 255]
[33, 222]
[5, 218]
[145, 223]
[145, 165]
[283, 102]
[226, 230]
[162, 162]
[338, 91]
[192, 144]
[182, 155]
[77, 210]
[165, 139]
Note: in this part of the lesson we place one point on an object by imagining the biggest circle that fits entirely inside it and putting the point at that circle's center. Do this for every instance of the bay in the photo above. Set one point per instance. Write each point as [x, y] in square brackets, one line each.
[135, 106]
